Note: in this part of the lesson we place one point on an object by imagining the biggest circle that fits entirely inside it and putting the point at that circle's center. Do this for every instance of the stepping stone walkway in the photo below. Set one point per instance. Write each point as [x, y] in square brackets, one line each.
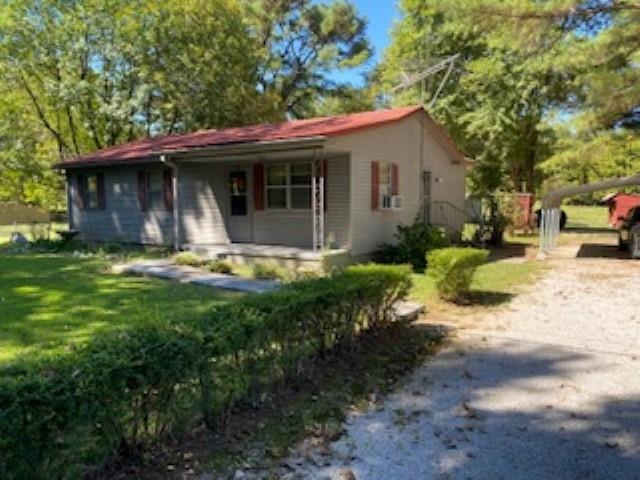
[185, 274]
[405, 310]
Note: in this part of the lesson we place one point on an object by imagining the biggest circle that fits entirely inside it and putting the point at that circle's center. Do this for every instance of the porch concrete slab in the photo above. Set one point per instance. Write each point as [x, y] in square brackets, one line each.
[181, 273]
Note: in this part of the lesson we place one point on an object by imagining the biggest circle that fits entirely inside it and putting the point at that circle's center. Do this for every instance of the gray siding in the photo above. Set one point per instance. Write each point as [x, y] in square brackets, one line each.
[121, 220]
[202, 199]
[204, 209]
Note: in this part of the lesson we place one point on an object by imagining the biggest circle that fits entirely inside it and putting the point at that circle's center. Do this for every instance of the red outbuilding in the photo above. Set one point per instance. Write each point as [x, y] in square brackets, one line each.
[619, 205]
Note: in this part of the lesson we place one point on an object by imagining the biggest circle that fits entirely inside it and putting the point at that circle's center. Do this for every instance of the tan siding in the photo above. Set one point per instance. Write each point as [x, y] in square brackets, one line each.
[336, 223]
[398, 143]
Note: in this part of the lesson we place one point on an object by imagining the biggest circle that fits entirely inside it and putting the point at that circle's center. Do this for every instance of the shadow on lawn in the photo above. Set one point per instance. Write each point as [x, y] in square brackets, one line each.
[49, 301]
[484, 298]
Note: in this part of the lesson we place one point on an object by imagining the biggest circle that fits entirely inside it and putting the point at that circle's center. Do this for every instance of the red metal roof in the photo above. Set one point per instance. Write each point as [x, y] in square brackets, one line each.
[314, 127]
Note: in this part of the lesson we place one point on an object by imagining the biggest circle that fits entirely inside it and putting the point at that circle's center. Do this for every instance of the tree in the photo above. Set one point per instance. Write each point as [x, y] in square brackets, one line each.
[25, 153]
[301, 43]
[587, 158]
[594, 41]
[100, 73]
[495, 102]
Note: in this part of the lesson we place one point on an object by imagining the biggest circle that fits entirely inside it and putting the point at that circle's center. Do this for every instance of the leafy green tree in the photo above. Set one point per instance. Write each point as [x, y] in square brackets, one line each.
[100, 73]
[583, 159]
[495, 101]
[25, 152]
[302, 43]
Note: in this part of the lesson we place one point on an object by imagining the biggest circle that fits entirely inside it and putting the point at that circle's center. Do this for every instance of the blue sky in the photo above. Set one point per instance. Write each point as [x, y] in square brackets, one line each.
[380, 15]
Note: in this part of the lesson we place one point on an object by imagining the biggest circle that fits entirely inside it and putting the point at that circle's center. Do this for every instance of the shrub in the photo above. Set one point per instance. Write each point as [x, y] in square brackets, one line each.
[268, 271]
[189, 259]
[219, 266]
[125, 389]
[453, 269]
[413, 242]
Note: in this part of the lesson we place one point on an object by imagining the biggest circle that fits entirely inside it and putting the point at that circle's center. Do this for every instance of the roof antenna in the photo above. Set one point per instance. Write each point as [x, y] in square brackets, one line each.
[409, 80]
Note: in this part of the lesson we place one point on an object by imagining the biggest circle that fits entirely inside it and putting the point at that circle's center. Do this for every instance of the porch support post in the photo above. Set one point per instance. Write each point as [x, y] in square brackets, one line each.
[317, 199]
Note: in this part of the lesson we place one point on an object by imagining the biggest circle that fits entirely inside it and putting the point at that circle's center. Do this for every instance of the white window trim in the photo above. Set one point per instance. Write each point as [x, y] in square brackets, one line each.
[287, 186]
[385, 188]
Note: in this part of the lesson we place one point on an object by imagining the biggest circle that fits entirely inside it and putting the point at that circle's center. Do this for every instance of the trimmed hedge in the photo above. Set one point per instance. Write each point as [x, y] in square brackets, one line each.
[126, 389]
[453, 269]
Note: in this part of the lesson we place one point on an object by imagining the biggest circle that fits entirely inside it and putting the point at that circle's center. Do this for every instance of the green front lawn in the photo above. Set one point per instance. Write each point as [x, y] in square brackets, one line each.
[48, 302]
[493, 283]
[579, 216]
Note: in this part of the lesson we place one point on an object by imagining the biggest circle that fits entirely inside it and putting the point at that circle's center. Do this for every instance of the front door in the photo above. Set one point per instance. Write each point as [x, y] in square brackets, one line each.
[240, 229]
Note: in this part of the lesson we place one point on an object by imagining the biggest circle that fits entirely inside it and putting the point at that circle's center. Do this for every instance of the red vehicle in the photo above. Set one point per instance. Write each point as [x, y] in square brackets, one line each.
[619, 206]
[628, 229]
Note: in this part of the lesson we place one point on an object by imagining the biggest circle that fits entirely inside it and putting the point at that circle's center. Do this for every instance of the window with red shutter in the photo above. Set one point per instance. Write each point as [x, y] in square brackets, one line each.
[102, 201]
[394, 179]
[375, 185]
[258, 186]
[142, 190]
[167, 177]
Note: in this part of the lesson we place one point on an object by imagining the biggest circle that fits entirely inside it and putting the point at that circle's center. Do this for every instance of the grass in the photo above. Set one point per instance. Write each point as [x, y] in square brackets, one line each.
[579, 216]
[50, 302]
[31, 230]
[493, 283]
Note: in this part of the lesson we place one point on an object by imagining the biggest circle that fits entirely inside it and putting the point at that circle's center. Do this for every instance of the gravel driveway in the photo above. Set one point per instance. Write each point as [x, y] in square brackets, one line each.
[547, 388]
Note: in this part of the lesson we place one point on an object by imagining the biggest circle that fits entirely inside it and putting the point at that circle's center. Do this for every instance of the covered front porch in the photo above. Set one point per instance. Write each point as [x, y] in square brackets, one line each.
[288, 203]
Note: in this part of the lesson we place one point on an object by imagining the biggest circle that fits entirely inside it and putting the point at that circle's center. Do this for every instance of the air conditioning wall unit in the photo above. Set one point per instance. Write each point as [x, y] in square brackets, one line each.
[391, 202]
[396, 202]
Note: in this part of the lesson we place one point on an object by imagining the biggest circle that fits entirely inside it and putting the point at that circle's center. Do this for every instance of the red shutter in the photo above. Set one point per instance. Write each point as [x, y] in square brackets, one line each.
[258, 186]
[142, 190]
[325, 172]
[394, 179]
[81, 189]
[375, 185]
[102, 203]
[167, 183]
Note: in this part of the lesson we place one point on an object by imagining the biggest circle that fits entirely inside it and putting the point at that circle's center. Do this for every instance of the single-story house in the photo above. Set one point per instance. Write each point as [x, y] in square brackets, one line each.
[314, 188]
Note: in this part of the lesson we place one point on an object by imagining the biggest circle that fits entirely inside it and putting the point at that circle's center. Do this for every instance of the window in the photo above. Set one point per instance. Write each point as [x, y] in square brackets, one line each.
[277, 180]
[301, 186]
[386, 184]
[155, 189]
[91, 191]
[288, 186]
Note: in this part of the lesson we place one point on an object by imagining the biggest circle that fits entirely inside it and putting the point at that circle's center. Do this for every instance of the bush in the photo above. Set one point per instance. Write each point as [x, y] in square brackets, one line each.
[125, 389]
[219, 266]
[413, 242]
[268, 271]
[453, 269]
[189, 259]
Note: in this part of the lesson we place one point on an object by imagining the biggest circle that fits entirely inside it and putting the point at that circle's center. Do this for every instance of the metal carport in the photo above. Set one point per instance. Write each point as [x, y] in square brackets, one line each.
[550, 213]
